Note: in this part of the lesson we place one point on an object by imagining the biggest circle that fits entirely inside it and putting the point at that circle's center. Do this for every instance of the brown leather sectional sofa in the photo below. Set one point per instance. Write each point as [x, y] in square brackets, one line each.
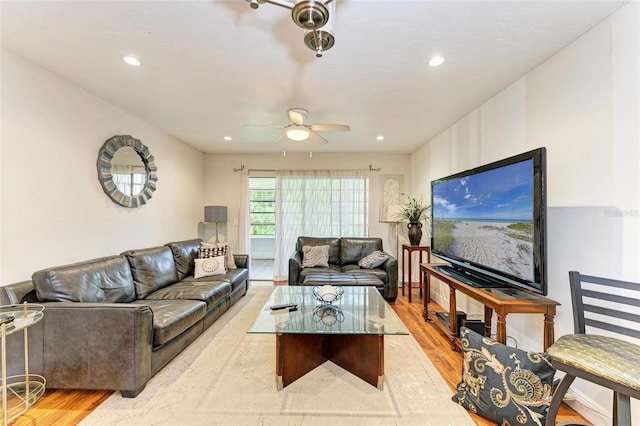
[113, 322]
[344, 254]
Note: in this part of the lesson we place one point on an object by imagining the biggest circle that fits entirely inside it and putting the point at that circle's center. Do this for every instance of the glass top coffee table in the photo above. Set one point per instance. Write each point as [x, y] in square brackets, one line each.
[348, 331]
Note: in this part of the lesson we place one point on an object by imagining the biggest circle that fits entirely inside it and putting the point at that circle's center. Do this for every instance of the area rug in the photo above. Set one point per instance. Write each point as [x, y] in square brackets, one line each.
[227, 377]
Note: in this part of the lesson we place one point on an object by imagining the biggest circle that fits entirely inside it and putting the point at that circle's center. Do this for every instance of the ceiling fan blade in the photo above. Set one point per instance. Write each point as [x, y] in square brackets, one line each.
[297, 115]
[317, 138]
[265, 125]
[281, 137]
[330, 127]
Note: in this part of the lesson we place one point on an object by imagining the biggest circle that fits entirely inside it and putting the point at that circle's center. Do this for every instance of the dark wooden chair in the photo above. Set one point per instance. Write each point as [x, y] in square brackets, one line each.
[610, 361]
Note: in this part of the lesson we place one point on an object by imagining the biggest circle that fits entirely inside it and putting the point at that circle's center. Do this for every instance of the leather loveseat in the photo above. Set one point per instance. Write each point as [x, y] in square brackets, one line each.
[343, 269]
[113, 322]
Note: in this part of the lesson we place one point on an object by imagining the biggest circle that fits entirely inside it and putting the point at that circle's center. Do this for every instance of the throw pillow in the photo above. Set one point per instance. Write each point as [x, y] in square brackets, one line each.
[204, 252]
[372, 260]
[209, 266]
[229, 260]
[315, 256]
[504, 384]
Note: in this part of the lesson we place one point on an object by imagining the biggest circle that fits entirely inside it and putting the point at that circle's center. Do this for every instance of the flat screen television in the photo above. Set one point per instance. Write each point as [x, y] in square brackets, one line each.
[489, 222]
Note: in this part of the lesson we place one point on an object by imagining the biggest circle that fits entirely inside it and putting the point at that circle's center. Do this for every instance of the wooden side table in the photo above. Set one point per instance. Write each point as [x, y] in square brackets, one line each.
[409, 249]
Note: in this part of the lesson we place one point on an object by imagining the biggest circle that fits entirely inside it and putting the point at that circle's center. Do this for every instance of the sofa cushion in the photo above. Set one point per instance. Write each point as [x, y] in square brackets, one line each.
[306, 271]
[315, 256]
[152, 269]
[354, 249]
[208, 290]
[333, 243]
[377, 272]
[184, 253]
[235, 277]
[173, 317]
[342, 279]
[106, 279]
[16, 293]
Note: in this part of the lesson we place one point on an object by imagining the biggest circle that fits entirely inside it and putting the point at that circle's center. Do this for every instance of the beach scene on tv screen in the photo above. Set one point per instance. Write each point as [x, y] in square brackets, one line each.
[487, 218]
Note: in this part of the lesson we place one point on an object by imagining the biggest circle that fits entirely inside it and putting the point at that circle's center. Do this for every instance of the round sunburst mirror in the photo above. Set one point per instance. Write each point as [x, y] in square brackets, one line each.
[126, 171]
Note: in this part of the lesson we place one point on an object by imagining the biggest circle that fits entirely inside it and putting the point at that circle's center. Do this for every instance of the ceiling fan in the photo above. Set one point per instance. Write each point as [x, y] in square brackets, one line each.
[297, 130]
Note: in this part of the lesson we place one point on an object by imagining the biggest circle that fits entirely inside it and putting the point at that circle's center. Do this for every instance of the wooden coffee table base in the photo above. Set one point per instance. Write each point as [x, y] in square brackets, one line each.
[360, 354]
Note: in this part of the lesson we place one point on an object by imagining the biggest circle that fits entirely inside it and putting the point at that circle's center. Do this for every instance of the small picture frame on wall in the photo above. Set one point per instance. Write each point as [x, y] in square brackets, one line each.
[391, 186]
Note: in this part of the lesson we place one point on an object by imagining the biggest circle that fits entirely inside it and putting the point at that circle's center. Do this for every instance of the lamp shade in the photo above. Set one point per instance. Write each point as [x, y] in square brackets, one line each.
[216, 214]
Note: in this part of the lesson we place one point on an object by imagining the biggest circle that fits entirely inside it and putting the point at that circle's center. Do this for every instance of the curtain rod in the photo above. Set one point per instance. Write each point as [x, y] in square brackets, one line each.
[241, 168]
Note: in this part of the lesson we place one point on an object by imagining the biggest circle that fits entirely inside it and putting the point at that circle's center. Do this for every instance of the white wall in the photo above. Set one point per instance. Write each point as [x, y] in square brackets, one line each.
[223, 185]
[53, 209]
[583, 105]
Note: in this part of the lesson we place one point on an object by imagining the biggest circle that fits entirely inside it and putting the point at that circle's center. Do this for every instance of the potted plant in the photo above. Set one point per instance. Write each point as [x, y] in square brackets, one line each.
[414, 211]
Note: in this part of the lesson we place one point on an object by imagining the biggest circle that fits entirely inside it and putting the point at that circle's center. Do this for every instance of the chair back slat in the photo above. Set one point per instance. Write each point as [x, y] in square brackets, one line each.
[613, 328]
[608, 301]
[612, 313]
[611, 297]
[610, 282]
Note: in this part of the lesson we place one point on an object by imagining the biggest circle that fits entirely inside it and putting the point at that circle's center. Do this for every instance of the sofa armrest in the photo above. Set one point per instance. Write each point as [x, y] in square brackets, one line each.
[391, 267]
[97, 346]
[242, 260]
[295, 266]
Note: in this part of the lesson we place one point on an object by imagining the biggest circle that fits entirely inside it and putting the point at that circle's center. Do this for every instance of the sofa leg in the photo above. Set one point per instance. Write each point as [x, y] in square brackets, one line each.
[132, 393]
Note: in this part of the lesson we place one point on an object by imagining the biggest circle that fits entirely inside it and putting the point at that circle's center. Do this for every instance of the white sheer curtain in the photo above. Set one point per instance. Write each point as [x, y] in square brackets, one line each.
[244, 228]
[318, 203]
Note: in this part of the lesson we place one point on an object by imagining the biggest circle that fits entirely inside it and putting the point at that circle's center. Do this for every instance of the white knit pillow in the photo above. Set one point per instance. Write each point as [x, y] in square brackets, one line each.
[315, 256]
[209, 266]
[373, 260]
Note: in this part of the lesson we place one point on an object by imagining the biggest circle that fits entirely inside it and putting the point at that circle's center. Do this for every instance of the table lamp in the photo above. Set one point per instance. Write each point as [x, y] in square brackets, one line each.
[216, 214]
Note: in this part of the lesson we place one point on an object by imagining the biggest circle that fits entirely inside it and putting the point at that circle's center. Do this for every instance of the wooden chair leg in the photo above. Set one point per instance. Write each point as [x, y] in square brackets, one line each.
[558, 394]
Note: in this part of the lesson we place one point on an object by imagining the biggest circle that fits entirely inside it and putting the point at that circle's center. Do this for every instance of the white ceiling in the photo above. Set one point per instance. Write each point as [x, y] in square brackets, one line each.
[211, 67]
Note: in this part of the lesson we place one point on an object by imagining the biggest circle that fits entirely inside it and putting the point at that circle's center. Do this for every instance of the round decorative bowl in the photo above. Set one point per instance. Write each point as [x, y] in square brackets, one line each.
[328, 293]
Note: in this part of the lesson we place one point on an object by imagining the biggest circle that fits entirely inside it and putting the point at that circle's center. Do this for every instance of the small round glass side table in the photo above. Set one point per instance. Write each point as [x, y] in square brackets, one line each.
[21, 391]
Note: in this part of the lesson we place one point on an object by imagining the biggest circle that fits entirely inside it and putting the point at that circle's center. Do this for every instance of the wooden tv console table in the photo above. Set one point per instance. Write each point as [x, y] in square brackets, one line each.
[501, 300]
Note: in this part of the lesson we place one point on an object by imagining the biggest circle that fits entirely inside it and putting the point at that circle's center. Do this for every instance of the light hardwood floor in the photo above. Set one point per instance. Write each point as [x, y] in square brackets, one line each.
[69, 407]
[261, 269]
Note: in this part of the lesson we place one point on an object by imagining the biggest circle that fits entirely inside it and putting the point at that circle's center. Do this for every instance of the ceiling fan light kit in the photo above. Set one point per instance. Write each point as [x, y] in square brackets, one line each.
[311, 15]
[296, 134]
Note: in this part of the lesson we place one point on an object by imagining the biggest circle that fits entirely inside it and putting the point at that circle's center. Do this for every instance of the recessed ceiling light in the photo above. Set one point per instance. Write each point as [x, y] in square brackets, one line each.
[227, 138]
[435, 61]
[380, 138]
[132, 60]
